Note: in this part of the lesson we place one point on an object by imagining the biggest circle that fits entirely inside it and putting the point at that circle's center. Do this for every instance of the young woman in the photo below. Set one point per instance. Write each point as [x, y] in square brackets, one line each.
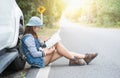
[41, 57]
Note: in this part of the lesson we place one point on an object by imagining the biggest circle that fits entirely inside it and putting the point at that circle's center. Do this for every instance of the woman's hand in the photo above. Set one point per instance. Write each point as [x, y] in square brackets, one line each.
[46, 39]
[49, 50]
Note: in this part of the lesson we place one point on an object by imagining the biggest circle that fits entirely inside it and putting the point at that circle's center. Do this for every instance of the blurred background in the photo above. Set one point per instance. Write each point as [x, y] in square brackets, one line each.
[100, 13]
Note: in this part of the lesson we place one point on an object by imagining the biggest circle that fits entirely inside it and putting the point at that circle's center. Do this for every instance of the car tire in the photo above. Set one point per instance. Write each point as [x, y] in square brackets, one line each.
[19, 62]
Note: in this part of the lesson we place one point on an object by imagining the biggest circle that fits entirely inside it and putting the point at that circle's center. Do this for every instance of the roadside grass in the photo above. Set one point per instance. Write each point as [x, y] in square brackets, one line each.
[105, 26]
[22, 74]
[101, 26]
[47, 32]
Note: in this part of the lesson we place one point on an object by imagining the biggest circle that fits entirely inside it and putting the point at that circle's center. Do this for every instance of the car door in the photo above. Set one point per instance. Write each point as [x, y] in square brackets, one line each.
[5, 22]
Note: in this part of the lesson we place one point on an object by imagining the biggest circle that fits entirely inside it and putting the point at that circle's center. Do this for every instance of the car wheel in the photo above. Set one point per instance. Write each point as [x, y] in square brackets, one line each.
[19, 62]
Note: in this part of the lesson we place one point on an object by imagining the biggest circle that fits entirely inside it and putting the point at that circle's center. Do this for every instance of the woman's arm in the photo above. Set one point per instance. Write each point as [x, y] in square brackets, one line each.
[30, 43]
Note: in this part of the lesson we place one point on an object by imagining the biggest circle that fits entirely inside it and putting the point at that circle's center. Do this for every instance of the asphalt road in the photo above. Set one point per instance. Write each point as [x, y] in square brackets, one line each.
[80, 39]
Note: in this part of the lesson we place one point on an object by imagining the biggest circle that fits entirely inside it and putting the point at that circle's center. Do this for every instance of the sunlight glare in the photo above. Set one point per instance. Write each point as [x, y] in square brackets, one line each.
[64, 22]
[73, 6]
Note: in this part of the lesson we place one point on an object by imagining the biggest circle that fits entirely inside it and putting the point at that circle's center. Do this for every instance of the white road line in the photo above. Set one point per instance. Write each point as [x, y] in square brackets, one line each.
[44, 72]
[39, 73]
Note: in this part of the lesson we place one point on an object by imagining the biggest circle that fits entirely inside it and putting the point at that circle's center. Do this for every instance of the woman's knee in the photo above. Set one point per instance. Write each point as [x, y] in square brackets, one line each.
[57, 44]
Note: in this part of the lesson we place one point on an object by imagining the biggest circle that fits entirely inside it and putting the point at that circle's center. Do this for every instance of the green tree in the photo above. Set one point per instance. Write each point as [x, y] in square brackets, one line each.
[107, 12]
[52, 13]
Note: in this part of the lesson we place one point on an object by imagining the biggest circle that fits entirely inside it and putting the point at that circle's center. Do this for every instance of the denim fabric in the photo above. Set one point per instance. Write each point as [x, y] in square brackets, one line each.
[30, 47]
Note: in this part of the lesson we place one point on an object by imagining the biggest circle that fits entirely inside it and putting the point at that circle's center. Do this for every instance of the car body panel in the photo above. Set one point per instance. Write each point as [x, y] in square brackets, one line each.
[11, 20]
[10, 15]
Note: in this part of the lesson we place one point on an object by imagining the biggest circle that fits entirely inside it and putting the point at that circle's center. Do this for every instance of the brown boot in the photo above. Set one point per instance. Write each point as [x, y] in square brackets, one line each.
[89, 57]
[76, 61]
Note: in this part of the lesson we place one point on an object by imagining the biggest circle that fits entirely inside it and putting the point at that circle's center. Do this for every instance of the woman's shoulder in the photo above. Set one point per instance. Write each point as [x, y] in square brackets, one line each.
[27, 36]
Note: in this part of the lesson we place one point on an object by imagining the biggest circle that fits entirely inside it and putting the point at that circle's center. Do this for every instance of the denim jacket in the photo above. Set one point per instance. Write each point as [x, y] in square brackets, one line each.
[30, 47]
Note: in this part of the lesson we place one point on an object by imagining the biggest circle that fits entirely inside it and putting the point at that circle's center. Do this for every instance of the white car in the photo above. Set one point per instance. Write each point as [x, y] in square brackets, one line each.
[11, 26]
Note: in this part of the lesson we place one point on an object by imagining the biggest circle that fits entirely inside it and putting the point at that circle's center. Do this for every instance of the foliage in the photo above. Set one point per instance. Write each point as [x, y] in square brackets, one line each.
[52, 13]
[101, 12]
[104, 12]
[28, 8]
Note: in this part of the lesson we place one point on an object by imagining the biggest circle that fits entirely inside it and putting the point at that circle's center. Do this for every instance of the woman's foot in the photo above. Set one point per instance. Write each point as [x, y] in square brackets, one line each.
[76, 61]
[89, 57]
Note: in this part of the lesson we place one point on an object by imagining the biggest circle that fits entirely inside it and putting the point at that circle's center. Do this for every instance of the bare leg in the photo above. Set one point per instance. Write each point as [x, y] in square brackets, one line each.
[55, 57]
[63, 51]
[48, 58]
[59, 52]
[78, 55]
[52, 57]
